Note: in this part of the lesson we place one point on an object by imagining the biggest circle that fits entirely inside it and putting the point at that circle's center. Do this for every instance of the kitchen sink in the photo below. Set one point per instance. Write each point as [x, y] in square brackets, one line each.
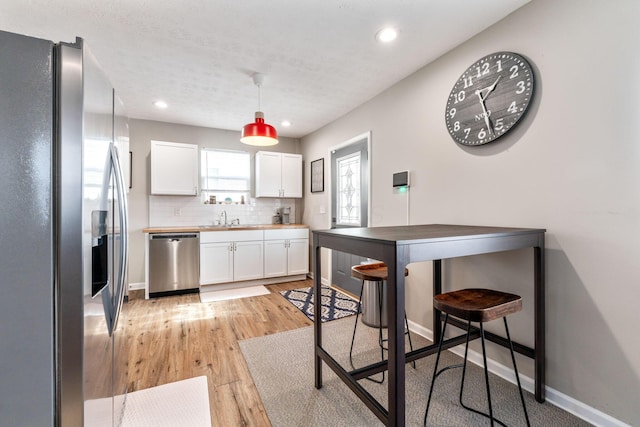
[226, 227]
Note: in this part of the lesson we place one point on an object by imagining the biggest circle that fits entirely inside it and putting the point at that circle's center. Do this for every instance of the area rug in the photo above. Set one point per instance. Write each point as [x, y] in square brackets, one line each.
[282, 369]
[334, 304]
[227, 294]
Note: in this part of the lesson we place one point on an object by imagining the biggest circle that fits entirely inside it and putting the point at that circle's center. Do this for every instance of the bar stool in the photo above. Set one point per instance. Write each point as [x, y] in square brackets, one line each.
[476, 305]
[374, 272]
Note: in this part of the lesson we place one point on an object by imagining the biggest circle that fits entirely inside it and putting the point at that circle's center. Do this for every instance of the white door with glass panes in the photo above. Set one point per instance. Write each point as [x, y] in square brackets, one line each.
[349, 204]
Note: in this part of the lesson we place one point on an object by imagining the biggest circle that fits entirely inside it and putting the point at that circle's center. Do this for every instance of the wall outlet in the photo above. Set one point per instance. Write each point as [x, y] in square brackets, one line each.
[176, 212]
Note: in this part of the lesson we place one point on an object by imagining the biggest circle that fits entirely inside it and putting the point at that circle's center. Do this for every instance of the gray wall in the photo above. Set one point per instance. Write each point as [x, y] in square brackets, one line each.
[572, 167]
[141, 134]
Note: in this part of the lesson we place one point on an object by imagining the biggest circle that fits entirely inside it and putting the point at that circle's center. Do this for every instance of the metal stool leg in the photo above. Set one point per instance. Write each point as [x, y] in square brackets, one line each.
[486, 374]
[353, 338]
[435, 368]
[355, 326]
[379, 288]
[406, 324]
[381, 339]
[515, 370]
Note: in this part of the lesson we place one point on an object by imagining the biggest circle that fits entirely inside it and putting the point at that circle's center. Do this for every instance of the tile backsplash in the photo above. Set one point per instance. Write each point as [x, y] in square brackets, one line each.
[167, 211]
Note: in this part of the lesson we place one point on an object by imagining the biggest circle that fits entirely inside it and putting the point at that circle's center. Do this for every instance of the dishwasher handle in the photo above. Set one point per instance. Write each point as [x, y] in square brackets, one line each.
[173, 237]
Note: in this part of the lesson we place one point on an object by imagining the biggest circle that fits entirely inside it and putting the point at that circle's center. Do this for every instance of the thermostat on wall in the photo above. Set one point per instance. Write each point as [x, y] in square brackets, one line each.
[401, 179]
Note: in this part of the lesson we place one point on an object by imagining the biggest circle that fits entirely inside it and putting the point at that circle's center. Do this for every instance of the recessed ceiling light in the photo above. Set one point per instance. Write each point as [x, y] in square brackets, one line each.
[387, 35]
[286, 123]
[160, 104]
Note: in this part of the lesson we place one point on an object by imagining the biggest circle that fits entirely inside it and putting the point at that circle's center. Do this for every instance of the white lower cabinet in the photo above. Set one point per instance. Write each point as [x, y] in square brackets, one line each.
[286, 252]
[216, 263]
[228, 256]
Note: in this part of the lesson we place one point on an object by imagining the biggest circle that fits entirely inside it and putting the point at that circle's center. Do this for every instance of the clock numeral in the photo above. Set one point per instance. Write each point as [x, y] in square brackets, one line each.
[456, 126]
[521, 87]
[499, 125]
[468, 81]
[512, 108]
[482, 134]
[467, 131]
[483, 69]
[499, 64]
[459, 97]
[514, 72]
[452, 112]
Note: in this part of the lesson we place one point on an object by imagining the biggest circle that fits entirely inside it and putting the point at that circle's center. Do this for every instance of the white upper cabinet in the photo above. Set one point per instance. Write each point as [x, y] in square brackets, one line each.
[174, 168]
[278, 174]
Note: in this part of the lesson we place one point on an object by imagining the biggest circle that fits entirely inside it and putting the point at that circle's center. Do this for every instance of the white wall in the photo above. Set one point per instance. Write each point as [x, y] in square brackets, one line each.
[572, 166]
[141, 134]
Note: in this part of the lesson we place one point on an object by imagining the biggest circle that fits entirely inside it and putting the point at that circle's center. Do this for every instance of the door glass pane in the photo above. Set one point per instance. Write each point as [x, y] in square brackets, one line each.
[348, 188]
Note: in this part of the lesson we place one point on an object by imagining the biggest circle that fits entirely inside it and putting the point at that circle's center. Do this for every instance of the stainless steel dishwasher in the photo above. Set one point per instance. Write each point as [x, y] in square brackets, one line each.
[174, 263]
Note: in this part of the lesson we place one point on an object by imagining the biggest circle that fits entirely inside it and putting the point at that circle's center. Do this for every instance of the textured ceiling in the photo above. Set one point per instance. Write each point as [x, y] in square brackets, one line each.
[319, 56]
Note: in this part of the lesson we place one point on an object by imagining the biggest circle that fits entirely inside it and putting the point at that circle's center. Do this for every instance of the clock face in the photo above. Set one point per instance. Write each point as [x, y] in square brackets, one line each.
[489, 98]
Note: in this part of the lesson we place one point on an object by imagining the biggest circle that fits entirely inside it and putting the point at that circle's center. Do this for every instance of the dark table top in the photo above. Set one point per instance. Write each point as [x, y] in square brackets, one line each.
[410, 234]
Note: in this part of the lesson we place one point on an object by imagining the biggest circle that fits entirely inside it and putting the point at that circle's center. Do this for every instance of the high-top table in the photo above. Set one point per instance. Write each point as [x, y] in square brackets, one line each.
[399, 246]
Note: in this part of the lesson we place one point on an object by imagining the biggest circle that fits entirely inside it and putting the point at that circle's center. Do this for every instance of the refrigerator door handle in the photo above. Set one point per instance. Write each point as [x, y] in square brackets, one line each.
[124, 237]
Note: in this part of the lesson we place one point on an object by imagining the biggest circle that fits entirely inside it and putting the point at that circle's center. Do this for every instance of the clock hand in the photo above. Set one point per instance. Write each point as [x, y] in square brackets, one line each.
[491, 88]
[486, 117]
[484, 108]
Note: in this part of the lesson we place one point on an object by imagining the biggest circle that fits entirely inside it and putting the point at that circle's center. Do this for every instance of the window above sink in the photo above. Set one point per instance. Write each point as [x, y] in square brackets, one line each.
[225, 176]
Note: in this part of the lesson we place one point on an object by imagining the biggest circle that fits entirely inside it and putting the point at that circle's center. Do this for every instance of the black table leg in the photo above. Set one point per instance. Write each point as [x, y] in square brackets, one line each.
[437, 289]
[317, 319]
[539, 322]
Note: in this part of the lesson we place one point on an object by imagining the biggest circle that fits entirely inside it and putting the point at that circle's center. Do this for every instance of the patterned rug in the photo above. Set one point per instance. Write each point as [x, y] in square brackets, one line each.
[335, 305]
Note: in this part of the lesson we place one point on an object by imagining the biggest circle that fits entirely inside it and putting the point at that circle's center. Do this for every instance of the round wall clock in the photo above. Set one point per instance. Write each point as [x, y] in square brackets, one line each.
[489, 98]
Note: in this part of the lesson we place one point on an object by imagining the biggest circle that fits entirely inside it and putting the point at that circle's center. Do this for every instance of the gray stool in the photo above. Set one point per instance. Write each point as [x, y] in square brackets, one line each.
[376, 273]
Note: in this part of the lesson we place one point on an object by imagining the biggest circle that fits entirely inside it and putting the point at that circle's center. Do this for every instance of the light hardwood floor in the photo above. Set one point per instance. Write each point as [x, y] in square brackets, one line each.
[177, 337]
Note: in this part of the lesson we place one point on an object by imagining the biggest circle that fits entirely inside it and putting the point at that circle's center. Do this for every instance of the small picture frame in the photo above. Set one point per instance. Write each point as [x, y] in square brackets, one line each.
[317, 176]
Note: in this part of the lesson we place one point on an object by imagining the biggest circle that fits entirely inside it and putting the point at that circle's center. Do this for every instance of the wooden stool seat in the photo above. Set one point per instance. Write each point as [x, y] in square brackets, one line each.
[478, 305]
[375, 272]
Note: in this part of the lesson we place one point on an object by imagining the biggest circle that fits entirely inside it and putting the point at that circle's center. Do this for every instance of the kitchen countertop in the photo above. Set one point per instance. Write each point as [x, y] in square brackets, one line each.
[202, 228]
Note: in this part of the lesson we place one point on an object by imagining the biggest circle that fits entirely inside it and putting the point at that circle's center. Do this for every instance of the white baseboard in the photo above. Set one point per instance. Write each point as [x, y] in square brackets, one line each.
[248, 283]
[137, 286]
[556, 398]
[324, 280]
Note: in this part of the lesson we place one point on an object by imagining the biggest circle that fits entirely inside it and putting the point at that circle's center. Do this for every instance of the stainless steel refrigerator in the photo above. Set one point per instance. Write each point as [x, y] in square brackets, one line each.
[63, 237]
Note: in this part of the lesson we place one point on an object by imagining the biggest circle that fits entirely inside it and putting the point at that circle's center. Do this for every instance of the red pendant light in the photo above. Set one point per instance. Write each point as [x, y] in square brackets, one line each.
[259, 133]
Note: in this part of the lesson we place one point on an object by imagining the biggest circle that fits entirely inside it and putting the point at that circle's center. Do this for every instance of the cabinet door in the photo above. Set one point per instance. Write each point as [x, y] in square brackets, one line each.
[291, 175]
[248, 259]
[298, 256]
[216, 263]
[174, 168]
[275, 258]
[268, 174]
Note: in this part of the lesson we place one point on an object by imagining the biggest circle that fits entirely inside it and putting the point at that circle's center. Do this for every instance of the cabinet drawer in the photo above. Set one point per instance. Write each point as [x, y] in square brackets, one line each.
[231, 236]
[286, 233]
